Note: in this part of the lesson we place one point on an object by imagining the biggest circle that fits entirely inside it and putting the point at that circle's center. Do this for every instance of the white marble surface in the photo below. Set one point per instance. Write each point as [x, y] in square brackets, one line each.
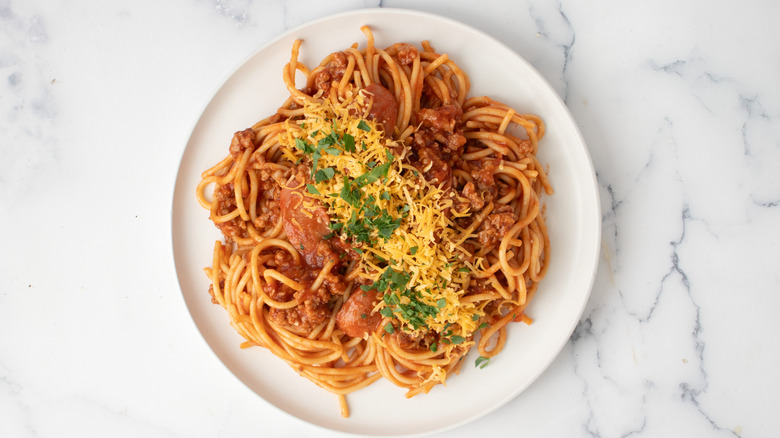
[678, 101]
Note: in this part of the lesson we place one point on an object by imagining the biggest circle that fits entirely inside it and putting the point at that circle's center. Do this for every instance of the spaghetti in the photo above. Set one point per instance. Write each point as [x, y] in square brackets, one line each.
[382, 223]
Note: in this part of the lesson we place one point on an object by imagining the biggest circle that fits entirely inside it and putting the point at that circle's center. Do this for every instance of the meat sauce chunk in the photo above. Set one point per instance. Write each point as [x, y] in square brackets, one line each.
[242, 140]
[444, 123]
[496, 225]
[407, 54]
[475, 199]
[443, 119]
[315, 304]
[335, 70]
[226, 202]
[433, 167]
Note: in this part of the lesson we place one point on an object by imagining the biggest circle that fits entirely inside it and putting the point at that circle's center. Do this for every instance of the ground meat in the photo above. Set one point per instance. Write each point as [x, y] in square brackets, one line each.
[455, 141]
[226, 203]
[211, 291]
[443, 119]
[459, 203]
[424, 138]
[439, 140]
[409, 342]
[432, 152]
[496, 225]
[303, 317]
[332, 73]
[315, 304]
[475, 199]
[342, 250]
[444, 123]
[332, 249]
[433, 167]
[429, 98]
[526, 147]
[267, 208]
[242, 140]
[407, 54]
[483, 173]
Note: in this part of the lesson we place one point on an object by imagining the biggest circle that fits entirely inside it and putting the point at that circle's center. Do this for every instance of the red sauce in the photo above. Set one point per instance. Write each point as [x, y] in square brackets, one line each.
[305, 220]
[356, 317]
[383, 107]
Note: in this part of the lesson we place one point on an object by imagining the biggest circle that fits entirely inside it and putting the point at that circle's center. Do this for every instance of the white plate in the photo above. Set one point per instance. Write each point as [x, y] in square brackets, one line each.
[256, 90]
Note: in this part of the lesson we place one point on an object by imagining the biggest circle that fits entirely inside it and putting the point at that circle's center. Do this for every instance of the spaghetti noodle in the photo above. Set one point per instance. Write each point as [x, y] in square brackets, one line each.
[382, 223]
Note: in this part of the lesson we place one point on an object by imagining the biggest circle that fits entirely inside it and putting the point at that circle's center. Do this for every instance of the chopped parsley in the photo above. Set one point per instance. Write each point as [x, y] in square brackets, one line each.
[372, 175]
[350, 194]
[401, 302]
[392, 280]
[304, 146]
[385, 225]
[349, 143]
[364, 126]
[326, 145]
[455, 339]
[366, 218]
[324, 174]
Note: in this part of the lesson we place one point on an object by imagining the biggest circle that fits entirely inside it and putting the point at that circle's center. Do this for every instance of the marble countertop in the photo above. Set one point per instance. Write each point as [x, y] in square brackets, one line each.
[677, 100]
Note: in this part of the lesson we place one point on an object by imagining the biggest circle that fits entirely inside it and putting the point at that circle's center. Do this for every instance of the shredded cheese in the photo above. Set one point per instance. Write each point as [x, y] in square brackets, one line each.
[394, 217]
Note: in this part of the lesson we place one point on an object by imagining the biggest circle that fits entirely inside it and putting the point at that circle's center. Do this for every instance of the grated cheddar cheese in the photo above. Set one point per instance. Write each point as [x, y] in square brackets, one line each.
[396, 220]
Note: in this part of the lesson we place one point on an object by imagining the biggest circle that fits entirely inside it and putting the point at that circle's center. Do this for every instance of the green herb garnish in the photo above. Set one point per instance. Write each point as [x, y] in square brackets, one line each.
[304, 146]
[324, 174]
[349, 143]
[364, 126]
